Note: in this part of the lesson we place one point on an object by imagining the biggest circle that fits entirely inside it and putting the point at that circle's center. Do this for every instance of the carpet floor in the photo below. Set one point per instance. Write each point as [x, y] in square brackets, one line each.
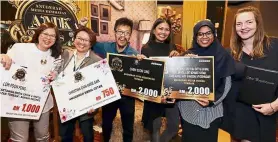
[139, 134]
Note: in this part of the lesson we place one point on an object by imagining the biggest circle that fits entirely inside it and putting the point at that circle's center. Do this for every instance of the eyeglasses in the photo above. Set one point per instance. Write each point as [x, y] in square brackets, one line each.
[120, 33]
[83, 40]
[48, 35]
[208, 34]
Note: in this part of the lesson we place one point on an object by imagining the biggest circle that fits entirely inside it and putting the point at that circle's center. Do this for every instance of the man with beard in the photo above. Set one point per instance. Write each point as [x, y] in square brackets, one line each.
[123, 31]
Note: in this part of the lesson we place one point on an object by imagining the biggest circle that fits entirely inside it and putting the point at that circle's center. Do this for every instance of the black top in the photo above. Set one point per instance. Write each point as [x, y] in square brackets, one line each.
[268, 62]
[157, 49]
[154, 110]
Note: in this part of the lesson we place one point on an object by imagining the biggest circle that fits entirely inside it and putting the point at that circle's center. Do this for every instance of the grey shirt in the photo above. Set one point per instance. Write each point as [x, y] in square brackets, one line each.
[193, 113]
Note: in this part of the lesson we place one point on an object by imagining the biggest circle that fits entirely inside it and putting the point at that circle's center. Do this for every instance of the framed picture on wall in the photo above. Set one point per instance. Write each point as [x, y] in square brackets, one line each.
[95, 25]
[94, 10]
[105, 12]
[103, 27]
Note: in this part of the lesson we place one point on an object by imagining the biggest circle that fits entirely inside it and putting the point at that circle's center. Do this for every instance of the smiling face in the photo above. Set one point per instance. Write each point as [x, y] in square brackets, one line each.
[246, 25]
[205, 36]
[47, 38]
[122, 35]
[82, 42]
[161, 32]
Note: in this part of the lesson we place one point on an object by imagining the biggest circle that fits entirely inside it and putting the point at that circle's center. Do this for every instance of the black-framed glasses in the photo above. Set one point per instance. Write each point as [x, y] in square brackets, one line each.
[208, 34]
[120, 33]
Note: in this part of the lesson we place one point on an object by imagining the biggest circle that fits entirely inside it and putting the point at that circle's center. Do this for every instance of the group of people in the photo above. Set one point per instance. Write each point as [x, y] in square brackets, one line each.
[200, 119]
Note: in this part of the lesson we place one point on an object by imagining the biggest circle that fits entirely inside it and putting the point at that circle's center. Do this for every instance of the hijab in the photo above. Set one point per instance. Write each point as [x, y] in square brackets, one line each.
[224, 65]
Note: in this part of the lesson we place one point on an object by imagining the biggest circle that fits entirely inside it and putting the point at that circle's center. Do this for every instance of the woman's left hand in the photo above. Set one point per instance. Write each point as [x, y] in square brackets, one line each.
[163, 99]
[265, 109]
[91, 111]
[203, 102]
[174, 53]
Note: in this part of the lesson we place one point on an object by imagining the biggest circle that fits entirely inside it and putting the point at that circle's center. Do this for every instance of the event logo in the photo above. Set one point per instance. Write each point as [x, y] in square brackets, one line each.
[78, 77]
[117, 64]
[167, 90]
[136, 62]
[19, 74]
[121, 87]
[31, 14]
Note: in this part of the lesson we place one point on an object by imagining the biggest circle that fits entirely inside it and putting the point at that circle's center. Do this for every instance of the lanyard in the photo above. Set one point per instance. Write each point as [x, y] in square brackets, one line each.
[77, 68]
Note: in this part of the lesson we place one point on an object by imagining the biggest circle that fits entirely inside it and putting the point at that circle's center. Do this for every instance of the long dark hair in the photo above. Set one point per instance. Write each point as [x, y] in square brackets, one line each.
[56, 48]
[156, 23]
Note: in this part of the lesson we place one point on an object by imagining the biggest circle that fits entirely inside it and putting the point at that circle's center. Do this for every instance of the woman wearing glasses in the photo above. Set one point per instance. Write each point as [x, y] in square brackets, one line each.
[38, 56]
[74, 60]
[201, 118]
[159, 45]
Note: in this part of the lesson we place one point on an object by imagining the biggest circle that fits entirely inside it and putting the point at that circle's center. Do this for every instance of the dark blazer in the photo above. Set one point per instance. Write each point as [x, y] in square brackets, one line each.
[67, 56]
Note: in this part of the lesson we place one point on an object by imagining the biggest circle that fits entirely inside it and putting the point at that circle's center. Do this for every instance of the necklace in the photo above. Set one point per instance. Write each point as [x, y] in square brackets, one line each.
[43, 61]
[250, 52]
[43, 54]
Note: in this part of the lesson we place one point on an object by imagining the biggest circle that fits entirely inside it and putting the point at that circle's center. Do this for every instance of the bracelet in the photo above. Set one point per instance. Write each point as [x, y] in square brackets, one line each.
[271, 107]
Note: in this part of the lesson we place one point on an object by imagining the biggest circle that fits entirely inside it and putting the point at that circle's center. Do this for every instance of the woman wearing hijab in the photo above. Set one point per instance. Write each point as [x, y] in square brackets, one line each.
[201, 118]
[159, 45]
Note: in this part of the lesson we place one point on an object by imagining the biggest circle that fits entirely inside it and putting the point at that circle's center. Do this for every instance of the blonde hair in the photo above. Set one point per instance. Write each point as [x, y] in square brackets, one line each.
[260, 36]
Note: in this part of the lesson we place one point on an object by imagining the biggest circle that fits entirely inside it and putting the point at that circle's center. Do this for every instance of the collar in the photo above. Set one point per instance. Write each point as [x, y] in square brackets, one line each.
[48, 52]
[87, 54]
[124, 51]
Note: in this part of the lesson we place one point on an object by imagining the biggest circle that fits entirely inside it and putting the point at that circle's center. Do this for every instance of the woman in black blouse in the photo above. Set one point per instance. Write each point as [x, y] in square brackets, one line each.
[250, 45]
[159, 45]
